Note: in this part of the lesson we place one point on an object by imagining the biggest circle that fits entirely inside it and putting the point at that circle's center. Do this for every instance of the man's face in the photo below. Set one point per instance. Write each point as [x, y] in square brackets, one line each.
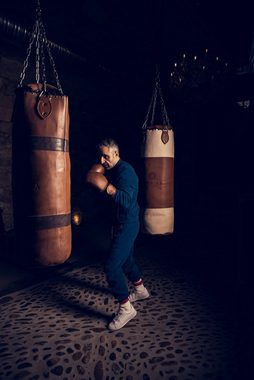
[108, 156]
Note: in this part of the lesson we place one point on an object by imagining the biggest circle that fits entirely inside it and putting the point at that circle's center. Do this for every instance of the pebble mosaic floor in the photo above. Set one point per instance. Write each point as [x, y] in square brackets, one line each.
[57, 330]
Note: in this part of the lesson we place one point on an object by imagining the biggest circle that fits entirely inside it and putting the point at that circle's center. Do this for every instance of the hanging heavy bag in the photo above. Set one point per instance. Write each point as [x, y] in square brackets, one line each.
[41, 172]
[158, 154]
[158, 160]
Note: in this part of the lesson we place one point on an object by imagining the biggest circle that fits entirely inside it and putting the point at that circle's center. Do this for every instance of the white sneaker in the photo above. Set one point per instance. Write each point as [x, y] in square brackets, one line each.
[140, 293]
[125, 314]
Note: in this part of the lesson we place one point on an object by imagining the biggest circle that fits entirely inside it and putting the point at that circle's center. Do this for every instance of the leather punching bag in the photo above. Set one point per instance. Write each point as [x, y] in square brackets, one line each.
[158, 155]
[41, 175]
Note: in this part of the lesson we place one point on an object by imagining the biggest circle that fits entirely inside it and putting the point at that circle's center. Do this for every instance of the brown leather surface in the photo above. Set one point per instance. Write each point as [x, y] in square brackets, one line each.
[52, 246]
[41, 173]
[44, 107]
[159, 174]
[50, 182]
[52, 126]
[164, 137]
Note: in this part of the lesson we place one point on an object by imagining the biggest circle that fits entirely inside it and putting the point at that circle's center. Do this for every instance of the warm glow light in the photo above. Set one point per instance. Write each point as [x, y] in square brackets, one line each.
[76, 217]
[195, 57]
[175, 64]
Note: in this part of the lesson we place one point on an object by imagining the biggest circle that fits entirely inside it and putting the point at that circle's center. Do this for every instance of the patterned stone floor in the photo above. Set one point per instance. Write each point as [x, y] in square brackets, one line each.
[57, 330]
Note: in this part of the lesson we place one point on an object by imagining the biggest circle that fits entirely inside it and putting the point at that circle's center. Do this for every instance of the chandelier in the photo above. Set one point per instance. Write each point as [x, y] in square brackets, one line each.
[194, 71]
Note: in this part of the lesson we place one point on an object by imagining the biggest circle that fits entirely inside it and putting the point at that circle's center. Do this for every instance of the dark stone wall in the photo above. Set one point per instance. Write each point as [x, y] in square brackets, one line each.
[9, 73]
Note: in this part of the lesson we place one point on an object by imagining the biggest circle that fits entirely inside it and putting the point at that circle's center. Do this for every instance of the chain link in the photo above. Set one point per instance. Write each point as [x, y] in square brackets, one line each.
[43, 74]
[148, 112]
[38, 36]
[152, 106]
[37, 54]
[51, 59]
[164, 111]
[28, 53]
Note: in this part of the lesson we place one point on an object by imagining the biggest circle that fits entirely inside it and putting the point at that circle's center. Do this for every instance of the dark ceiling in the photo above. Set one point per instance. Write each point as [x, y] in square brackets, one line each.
[119, 33]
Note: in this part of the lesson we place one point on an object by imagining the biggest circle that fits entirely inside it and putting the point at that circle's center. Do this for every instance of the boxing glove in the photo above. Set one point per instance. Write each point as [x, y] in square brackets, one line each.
[98, 168]
[97, 180]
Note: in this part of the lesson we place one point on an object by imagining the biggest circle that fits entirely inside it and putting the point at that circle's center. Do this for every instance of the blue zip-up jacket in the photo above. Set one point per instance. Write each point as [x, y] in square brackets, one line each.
[125, 179]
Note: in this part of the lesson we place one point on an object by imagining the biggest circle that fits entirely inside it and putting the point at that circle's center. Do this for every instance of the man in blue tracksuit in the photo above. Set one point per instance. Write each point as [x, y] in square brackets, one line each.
[120, 183]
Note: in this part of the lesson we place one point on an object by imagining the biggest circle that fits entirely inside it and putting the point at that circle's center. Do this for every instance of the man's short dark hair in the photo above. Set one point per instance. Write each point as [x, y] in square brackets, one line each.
[108, 142]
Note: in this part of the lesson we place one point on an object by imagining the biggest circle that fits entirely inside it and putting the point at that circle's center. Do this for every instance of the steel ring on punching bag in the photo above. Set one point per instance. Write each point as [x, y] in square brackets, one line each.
[158, 154]
[41, 174]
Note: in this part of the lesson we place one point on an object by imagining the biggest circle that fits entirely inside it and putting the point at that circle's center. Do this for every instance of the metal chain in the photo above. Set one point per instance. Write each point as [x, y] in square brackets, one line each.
[45, 41]
[52, 62]
[157, 87]
[39, 37]
[43, 74]
[161, 100]
[154, 104]
[163, 110]
[28, 53]
[37, 54]
[148, 112]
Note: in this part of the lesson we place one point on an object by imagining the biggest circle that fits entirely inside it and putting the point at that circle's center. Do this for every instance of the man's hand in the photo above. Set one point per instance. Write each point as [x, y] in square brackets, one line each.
[110, 189]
